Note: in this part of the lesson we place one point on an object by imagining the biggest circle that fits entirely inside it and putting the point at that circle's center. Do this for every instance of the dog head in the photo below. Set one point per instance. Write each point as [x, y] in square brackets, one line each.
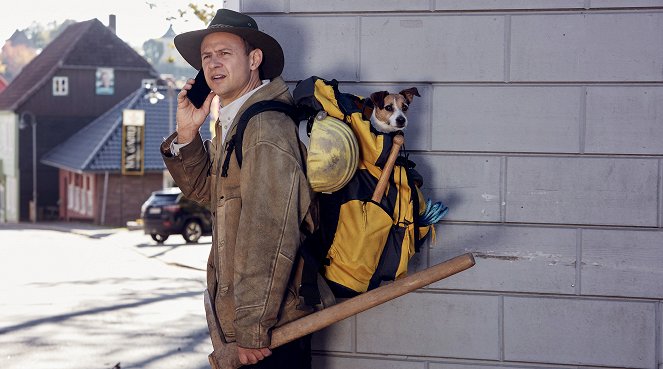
[389, 112]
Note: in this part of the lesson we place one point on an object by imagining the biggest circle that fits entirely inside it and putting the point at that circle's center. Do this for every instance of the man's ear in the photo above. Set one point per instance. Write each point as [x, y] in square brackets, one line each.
[255, 59]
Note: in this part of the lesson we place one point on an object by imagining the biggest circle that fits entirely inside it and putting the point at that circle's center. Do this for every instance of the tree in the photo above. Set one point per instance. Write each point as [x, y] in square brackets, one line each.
[25, 44]
[14, 58]
[153, 51]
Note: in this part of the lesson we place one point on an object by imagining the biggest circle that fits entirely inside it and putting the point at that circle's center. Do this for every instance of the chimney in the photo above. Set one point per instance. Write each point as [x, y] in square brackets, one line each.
[111, 23]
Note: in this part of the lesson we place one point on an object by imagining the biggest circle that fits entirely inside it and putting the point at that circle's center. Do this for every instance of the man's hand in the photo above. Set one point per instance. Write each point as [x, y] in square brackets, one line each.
[189, 119]
[252, 356]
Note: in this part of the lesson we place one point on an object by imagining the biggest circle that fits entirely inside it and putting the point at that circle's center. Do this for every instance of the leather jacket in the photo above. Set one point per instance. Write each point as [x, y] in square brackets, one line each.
[258, 210]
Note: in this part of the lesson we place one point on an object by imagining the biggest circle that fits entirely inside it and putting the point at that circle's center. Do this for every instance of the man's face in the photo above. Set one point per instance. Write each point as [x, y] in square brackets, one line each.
[227, 67]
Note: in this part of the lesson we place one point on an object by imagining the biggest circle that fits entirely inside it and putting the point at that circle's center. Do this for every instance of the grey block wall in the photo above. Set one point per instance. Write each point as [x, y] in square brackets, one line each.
[541, 126]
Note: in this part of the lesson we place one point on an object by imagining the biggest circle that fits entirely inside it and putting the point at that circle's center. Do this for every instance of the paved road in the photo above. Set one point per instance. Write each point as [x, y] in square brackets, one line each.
[86, 297]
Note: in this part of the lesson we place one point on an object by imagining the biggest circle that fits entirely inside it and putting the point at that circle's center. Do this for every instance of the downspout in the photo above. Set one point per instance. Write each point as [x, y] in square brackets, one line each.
[103, 199]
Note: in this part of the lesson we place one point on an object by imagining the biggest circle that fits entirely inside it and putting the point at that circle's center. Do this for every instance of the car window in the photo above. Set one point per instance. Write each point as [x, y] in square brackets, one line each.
[162, 199]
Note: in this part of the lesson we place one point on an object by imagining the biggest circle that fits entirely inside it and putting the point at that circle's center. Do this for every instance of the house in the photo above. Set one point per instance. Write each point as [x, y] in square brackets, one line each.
[3, 83]
[80, 75]
[110, 167]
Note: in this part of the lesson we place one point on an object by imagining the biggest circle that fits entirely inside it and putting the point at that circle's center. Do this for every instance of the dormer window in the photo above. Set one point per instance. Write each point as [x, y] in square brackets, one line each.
[60, 86]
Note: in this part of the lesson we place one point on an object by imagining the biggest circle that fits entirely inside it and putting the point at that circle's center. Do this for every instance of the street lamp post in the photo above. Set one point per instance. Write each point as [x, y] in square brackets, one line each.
[33, 123]
[154, 96]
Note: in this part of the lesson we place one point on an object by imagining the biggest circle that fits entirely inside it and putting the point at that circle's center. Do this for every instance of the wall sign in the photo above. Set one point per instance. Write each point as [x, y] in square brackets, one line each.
[105, 81]
[133, 136]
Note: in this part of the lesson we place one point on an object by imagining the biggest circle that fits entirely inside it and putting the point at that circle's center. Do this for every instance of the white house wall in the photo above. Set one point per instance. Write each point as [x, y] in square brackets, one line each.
[8, 141]
[540, 125]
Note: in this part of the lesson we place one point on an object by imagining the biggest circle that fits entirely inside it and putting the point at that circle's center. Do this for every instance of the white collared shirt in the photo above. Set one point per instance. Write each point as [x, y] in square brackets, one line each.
[226, 116]
[227, 113]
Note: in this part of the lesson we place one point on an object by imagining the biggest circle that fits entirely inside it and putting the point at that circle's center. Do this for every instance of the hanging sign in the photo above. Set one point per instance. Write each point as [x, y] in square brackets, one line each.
[133, 136]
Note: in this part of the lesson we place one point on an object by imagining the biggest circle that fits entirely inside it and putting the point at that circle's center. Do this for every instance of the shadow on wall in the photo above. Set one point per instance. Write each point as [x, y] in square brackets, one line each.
[298, 51]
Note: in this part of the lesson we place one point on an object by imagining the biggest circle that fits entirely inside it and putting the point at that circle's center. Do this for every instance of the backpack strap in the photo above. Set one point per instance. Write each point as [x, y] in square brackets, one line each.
[235, 142]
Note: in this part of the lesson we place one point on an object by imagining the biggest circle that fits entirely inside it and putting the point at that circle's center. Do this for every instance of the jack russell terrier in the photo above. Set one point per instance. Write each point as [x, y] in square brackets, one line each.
[389, 112]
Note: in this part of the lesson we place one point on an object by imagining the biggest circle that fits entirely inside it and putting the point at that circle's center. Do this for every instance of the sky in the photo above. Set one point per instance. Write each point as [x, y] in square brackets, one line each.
[135, 21]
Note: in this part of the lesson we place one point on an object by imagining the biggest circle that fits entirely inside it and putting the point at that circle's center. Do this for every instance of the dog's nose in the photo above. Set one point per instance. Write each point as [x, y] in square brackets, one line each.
[400, 120]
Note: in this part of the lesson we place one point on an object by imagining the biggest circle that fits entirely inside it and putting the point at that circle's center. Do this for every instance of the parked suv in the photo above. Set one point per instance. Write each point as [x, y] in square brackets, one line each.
[168, 212]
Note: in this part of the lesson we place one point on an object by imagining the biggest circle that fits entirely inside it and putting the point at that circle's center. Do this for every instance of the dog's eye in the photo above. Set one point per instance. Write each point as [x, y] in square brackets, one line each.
[389, 108]
[404, 108]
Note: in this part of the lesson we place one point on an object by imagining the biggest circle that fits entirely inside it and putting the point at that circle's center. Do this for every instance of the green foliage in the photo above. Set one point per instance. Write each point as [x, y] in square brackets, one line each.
[15, 55]
[41, 35]
[203, 12]
[153, 51]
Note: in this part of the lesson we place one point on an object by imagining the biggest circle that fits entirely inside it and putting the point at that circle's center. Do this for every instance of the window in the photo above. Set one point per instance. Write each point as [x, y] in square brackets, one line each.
[60, 86]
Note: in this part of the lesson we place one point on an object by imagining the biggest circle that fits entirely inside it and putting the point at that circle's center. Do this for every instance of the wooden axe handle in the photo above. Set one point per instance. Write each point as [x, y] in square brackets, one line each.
[328, 316]
[224, 355]
[381, 187]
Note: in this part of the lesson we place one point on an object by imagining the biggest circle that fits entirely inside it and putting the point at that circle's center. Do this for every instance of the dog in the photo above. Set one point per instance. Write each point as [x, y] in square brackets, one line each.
[389, 110]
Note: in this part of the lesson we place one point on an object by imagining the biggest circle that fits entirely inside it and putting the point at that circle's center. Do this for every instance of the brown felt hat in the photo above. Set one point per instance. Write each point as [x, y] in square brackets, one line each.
[188, 43]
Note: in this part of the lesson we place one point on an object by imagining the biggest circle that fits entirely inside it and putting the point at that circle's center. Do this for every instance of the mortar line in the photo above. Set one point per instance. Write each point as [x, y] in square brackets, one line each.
[503, 183]
[429, 241]
[358, 49]
[578, 270]
[507, 48]
[500, 327]
[660, 194]
[657, 339]
[354, 334]
[582, 120]
[431, 99]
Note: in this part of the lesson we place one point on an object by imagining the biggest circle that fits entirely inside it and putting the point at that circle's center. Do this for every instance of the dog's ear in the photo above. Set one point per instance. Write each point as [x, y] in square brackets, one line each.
[378, 98]
[410, 93]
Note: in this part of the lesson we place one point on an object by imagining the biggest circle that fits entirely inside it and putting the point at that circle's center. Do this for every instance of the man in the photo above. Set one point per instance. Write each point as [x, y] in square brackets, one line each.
[259, 207]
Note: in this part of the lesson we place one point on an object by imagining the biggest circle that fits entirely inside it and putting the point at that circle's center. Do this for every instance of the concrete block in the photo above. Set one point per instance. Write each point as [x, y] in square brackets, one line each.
[432, 48]
[597, 191]
[338, 6]
[456, 365]
[321, 46]
[337, 337]
[622, 263]
[507, 4]
[587, 47]
[624, 120]
[468, 185]
[419, 261]
[258, 6]
[418, 131]
[580, 332]
[625, 4]
[512, 119]
[335, 362]
[504, 254]
[431, 324]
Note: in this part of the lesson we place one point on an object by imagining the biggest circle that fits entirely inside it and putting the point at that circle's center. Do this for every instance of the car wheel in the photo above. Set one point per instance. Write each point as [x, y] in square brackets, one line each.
[160, 238]
[192, 231]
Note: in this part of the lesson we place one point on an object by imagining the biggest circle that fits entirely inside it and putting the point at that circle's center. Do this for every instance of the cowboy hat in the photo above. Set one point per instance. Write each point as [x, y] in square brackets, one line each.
[188, 43]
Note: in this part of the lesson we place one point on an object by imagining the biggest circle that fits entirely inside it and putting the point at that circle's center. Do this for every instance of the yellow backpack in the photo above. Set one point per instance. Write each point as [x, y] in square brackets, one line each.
[360, 243]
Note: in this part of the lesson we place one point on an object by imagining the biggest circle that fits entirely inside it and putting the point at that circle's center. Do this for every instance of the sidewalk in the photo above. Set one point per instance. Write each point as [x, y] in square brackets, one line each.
[173, 252]
[176, 252]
